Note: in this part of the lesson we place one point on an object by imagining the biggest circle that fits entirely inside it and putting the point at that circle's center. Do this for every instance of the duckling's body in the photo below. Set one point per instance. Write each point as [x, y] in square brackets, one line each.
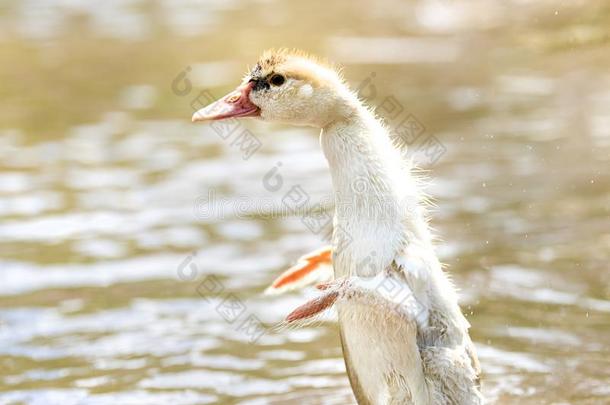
[404, 338]
[420, 354]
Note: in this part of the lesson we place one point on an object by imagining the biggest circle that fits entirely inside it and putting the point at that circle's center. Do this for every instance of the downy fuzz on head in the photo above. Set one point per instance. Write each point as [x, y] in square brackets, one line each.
[287, 86]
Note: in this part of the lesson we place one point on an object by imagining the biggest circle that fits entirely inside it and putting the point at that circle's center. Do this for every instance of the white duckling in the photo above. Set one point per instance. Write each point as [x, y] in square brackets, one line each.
[405, 340]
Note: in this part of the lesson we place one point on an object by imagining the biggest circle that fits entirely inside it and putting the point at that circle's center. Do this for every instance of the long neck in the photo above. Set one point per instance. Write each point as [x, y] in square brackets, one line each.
[377, 201]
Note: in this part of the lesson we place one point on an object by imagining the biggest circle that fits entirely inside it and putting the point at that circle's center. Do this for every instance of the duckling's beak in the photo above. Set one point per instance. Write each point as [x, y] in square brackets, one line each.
[233, 105]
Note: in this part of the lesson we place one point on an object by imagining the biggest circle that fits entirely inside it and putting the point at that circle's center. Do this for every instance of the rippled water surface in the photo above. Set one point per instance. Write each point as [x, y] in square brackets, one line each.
[135, 247]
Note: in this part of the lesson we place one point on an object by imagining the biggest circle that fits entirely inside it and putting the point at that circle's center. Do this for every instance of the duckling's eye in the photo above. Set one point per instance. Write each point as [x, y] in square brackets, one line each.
[277, 80]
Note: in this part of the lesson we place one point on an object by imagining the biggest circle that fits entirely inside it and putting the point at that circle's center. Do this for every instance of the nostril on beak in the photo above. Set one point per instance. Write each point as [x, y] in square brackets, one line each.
[233, 98]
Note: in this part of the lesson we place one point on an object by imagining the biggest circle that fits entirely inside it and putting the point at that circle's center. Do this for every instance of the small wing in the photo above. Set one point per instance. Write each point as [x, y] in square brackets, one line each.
[313, 307]
[315, 267]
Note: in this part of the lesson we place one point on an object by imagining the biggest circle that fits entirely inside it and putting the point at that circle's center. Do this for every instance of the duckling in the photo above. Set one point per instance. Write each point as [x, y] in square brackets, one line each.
[312, 268]
[404, 338]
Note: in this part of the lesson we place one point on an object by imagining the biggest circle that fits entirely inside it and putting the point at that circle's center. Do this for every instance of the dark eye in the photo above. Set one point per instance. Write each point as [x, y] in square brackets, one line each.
[277, 80]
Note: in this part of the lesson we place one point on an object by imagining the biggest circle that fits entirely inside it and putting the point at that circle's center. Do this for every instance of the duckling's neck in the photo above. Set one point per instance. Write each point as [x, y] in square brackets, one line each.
[376, 200]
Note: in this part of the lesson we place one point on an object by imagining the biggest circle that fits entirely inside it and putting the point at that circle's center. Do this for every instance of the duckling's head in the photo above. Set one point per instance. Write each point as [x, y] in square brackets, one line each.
[284, 86]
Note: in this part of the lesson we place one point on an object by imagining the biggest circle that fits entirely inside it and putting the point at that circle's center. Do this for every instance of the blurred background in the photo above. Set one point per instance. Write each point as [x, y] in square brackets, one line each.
[135, 246]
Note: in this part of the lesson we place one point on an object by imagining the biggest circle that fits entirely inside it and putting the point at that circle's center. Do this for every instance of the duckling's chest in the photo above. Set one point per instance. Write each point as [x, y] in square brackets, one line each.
[369, 222]
[363, 245]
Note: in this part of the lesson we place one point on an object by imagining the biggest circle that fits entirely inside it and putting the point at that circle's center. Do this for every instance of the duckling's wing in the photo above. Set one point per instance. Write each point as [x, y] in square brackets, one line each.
[315, 267]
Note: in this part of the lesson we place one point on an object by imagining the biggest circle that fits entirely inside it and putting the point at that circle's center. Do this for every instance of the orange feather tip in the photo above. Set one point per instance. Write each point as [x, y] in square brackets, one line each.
[313, 267]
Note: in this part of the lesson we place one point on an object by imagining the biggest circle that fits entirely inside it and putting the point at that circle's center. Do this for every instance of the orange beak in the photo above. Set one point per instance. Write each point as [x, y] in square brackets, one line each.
[233, 105]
